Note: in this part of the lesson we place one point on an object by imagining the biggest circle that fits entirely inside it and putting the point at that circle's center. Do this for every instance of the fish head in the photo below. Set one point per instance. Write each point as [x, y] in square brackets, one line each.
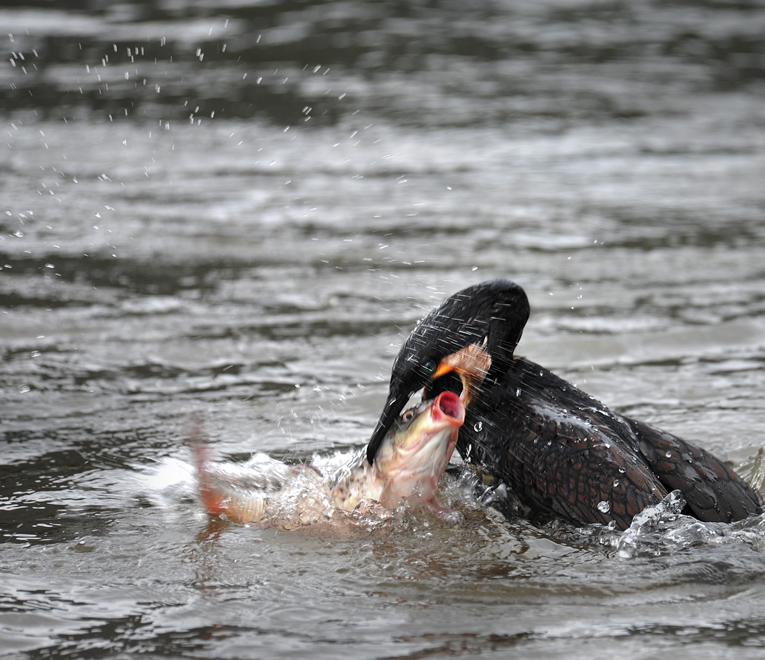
[417, 448]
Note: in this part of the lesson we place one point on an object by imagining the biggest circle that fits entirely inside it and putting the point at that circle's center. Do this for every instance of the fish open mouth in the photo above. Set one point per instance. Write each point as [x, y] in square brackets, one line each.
[449, 404]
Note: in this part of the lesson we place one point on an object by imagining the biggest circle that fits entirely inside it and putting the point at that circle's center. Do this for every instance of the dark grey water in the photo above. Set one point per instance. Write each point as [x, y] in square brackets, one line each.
[241, 209]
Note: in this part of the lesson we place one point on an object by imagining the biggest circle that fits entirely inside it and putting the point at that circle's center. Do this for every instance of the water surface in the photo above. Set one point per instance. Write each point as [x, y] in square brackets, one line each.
[240, 210]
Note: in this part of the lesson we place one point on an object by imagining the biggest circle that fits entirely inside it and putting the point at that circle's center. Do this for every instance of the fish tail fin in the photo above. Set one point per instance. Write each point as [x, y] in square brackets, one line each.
[211, 497]
[219, 493]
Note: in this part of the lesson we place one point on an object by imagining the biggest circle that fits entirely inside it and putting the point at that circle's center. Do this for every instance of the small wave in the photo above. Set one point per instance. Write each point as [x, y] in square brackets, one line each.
[663, 529]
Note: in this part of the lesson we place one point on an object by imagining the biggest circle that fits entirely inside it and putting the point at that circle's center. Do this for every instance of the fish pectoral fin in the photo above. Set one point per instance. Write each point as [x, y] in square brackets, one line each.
[388, 497]
[441, 511]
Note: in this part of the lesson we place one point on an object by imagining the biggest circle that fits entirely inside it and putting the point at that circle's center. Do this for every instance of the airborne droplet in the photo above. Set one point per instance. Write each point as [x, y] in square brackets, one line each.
[603, 506]
[478, 427]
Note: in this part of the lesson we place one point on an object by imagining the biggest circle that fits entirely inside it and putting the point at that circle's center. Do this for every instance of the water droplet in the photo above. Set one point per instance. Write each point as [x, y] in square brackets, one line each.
[616, 483]
[622, 470]
[23, 389]
[603, 506]
[518, 392]
[478, 427]
[668, 454]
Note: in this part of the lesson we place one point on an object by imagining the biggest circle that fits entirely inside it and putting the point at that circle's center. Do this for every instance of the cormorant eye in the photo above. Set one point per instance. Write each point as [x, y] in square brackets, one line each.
[408, 416]
[429, 367]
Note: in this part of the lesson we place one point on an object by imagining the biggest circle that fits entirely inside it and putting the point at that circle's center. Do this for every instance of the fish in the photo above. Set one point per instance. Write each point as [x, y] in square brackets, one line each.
[407, 467]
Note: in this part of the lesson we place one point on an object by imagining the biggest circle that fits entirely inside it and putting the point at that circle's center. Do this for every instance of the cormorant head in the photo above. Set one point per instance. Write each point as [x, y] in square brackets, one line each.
[455, 346]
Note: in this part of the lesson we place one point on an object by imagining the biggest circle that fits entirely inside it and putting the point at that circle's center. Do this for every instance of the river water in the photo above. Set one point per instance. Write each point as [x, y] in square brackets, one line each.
[238, 210]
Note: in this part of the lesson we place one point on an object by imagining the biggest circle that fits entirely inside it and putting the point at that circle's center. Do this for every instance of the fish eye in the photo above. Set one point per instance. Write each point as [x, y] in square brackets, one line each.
[408, 415]
[429, 367]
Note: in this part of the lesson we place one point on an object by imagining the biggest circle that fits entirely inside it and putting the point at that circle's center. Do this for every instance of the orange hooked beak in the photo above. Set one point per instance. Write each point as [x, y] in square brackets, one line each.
[471, 364]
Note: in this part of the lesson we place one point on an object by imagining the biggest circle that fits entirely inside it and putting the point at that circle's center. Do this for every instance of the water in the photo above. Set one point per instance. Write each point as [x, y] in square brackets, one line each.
[239, 210]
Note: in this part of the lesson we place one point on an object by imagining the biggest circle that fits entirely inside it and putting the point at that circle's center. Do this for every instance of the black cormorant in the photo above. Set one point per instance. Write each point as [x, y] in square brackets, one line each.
[559, 450]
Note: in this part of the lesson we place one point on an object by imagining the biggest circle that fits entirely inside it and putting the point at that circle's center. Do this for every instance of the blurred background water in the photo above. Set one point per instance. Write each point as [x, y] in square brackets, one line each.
[240, 208]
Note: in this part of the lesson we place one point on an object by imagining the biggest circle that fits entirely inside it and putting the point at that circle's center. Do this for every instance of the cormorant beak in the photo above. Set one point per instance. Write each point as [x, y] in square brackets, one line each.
[471, 364]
